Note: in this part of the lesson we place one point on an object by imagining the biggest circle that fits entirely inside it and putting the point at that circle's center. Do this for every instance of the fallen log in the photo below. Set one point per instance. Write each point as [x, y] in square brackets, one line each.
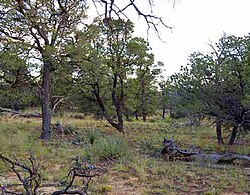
[171, 151]
[15, 113]
[9, 110]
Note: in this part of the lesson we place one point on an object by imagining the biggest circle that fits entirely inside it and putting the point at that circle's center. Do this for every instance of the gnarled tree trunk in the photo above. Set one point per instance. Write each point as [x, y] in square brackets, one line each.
[117, 101]
[117, 125]
[233, 135]
[218, 131]
[46, 110]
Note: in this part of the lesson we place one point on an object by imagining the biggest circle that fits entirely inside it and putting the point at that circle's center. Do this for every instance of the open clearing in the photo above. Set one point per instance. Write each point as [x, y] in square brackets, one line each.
[141, 170]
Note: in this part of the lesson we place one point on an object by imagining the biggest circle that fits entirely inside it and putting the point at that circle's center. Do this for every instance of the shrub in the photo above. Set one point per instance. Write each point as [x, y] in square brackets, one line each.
[110, 148]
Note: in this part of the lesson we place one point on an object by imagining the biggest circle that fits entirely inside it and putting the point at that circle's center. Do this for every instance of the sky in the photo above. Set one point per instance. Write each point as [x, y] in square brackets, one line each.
[195, 24]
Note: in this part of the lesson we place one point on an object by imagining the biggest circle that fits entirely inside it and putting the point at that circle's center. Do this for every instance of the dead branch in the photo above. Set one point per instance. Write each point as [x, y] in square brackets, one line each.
[82, 170]
[15, 113]
[9, 110]
[59, 103]
[28, 175]
[171, 151]
[30, 178]
[112, 7]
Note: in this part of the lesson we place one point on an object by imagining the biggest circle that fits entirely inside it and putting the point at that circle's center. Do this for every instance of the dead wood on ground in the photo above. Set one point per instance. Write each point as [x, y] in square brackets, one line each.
[15, 113]
[171, 151]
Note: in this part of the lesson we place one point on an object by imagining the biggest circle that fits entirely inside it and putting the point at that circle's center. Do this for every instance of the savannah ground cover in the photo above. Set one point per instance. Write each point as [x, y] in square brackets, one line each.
[130, 163]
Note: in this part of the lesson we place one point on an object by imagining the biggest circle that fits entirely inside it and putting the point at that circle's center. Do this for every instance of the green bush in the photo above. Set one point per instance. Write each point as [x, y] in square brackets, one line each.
[17, 98]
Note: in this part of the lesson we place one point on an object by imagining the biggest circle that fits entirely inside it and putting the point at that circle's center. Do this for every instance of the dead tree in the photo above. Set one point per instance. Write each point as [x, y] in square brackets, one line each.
[171, 151]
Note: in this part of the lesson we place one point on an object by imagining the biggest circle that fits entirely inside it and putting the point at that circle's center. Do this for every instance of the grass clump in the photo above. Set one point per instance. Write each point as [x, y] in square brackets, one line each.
[88, 136]
[110, 148]
[150, 146]
[93, 135]
[106, 188]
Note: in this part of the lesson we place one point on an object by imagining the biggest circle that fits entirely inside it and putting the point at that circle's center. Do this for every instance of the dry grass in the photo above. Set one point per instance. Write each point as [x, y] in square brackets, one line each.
[140, 172]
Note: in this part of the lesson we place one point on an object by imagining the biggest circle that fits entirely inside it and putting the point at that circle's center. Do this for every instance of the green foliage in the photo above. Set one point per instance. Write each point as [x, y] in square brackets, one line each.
[103, 61]
[141, 91]
[92, 135]
[40, 29]
[214, 84]
[150, 146]
[17, 98]
[17, 89]
[105, 189]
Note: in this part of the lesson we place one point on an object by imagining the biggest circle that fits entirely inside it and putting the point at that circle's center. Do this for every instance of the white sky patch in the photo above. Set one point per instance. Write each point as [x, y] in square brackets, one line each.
[196, 23]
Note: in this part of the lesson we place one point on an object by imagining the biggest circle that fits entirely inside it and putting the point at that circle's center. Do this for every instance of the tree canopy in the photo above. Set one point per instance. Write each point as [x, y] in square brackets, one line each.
[216, 84]
[42, 29]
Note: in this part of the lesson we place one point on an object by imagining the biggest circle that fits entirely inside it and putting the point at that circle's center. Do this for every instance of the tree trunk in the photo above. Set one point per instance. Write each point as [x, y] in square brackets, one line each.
[163, 104]
[46, 110]
[120, 122]
[144, 109]
[144, 117]
[218, 131]
[117, 101]
[118, 125]
[233, 135]
[136, 115]
[163, 112]
[121, 104]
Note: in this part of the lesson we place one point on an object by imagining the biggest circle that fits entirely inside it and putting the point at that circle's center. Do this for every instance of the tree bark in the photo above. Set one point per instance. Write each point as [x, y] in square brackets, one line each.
[144, 109]
[116, 102]
[136, 115]
[218, 131]
[46, 110]
[120, 105]
[172, 151]
[163, 103]
[233, 135]
[163, 112]
[98, 99]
